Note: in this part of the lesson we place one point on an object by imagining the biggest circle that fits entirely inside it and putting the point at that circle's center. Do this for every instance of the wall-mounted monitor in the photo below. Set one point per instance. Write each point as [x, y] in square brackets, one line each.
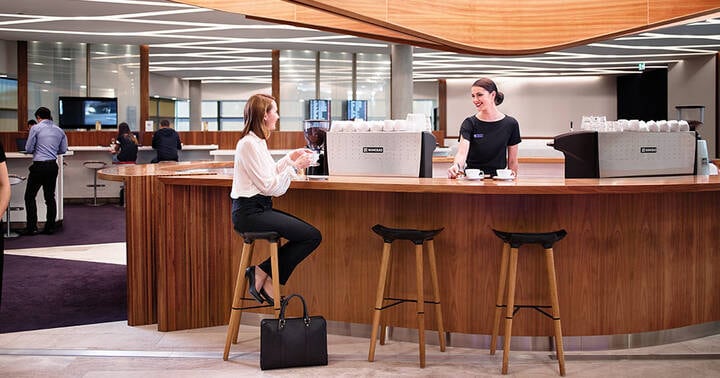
[319, 109]
[355, 109]
[84, 112]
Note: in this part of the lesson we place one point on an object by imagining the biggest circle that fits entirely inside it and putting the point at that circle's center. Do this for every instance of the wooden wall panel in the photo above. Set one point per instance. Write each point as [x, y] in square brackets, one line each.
[631, 262]
[141, 213]
[516, 26]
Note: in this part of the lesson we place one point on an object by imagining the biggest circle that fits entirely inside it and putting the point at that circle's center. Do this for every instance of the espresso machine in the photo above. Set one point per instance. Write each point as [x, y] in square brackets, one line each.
[596, 154]
[315, 136]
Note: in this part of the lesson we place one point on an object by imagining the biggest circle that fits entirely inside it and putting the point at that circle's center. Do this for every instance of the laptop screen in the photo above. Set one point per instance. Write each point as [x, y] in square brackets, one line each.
[20, 143]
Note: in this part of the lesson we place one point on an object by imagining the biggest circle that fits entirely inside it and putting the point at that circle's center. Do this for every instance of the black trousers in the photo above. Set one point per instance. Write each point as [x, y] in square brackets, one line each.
[256, 214]
[42, 174]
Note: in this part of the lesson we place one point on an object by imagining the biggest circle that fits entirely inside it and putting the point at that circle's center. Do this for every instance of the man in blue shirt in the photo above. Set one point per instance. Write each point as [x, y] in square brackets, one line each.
[45, 142]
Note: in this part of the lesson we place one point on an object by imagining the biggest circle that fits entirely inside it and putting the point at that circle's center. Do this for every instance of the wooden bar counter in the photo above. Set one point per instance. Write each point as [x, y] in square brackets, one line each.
[641, 253]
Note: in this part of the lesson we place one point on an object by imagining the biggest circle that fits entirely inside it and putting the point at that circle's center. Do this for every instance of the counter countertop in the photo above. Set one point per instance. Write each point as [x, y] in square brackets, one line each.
[188, 147]
[218, 174]
[22, 155]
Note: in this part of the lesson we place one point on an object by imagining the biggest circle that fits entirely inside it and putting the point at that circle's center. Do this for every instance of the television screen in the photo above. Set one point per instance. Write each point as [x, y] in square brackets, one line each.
[356, 109]
[84, 112]
[319, 109]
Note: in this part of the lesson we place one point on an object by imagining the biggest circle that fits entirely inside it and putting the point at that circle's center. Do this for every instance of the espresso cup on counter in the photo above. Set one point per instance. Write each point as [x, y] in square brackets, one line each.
[505, 173]
[474, 173]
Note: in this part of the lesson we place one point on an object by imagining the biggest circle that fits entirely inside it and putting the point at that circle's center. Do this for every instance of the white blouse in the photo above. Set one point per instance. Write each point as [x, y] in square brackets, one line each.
[256, 172]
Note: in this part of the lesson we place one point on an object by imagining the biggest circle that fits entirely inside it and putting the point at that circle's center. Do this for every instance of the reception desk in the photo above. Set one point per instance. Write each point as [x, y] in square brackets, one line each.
[641, 253]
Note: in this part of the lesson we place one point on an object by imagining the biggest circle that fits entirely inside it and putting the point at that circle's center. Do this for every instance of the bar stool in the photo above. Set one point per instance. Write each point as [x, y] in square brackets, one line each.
[418, 237]
[511, 243]
[96, 166]
[241, 283]
[14, 180]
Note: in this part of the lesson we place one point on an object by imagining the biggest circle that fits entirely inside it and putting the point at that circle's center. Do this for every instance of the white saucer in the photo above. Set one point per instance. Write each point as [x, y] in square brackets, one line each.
[503, 178]
[474, 178]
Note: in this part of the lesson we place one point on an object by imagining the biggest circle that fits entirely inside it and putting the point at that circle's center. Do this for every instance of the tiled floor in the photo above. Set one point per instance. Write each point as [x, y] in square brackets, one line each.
[117, 350]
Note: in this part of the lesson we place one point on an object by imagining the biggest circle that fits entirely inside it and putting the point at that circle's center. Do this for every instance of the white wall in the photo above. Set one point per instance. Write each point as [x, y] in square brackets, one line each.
[233, 91]
[168, 87]
[544, 107]
[692, 82]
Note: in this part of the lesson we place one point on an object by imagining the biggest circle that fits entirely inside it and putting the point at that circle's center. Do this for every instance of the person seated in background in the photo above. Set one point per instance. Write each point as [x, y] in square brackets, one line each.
[124, 149]
[166, 142]
[125, 146]
[31, 123]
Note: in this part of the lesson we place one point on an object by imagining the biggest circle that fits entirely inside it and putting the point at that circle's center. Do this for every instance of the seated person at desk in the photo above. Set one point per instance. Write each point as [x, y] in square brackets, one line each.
[256, 179]
[125, 146]
[489, 139]
[166, 142]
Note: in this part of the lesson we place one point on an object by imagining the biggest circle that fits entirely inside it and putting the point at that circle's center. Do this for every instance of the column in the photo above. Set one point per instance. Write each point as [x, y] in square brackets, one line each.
[195, 91]
[401, 82]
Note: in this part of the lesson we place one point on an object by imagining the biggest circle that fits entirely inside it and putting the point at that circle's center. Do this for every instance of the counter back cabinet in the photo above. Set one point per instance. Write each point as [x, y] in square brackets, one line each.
[641, 253]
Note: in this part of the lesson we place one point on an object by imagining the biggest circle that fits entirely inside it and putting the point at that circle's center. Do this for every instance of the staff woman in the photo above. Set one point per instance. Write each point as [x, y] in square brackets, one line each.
[257, 178]
[489, 139]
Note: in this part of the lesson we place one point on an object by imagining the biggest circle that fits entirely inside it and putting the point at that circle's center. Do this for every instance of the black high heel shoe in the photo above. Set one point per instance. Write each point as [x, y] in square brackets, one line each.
[267, 297]
[250, 275]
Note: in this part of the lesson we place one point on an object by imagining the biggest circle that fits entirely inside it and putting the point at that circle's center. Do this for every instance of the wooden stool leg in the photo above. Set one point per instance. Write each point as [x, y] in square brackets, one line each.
[235, 311]
[436, 293]
[275, 277]
[512, 270]
[499, 298]
[550, 263]
[382, 280]
[420, 301]
[383, 320]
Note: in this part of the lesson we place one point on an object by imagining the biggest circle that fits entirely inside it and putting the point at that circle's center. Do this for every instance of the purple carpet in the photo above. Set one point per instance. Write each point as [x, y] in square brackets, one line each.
[81, 225]
[40, 293]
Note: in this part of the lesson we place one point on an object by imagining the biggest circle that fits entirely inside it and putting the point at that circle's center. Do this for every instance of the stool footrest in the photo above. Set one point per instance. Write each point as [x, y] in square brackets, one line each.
[539, 309]
[402, 300]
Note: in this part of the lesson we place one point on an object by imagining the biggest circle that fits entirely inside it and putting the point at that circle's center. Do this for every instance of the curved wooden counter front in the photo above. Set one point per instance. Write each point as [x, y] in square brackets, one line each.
[641, 253]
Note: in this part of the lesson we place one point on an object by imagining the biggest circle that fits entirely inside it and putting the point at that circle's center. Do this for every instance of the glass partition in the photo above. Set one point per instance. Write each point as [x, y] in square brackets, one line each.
[336, 80]
[373, 84]
[55, 69]
[8, 104]
[115, 72]
[297, 85]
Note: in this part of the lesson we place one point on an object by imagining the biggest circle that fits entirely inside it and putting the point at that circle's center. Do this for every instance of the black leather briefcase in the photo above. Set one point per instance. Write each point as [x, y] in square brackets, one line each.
[293, 342]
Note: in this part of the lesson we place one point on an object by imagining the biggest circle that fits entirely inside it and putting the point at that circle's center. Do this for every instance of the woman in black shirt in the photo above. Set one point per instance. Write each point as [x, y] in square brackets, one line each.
[489, 139]
[125, 148]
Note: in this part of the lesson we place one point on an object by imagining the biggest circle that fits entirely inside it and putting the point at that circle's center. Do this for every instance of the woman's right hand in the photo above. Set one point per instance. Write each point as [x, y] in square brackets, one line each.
[453, 171]
[302, 161]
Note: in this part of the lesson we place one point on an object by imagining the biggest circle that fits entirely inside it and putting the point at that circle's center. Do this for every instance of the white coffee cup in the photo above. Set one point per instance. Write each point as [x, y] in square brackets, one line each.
[314, 158]
[505, 173]
[474, 173]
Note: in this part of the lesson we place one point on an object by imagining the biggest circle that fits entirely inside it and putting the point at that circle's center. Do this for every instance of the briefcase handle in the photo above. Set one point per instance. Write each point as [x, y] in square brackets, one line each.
[283, 306]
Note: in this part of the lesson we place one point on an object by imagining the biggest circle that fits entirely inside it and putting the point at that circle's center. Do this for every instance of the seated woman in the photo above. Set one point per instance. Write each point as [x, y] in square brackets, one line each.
[125, 147]
[257, 178]
[124, 150]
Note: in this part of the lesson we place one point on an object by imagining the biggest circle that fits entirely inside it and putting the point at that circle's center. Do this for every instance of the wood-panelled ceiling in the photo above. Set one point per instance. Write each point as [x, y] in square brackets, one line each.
[511, 27]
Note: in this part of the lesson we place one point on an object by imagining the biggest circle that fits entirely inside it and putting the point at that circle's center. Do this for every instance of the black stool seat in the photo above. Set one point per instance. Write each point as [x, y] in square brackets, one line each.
[416, 236]
[516, 239]
[270, 236]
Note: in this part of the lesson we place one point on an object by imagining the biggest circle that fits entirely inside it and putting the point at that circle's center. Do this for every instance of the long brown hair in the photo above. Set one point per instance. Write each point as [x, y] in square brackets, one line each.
[255, 109]
[124, 129]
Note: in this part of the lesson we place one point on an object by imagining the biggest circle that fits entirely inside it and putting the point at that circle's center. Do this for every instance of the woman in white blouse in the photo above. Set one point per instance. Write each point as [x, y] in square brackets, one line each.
[257, 178]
